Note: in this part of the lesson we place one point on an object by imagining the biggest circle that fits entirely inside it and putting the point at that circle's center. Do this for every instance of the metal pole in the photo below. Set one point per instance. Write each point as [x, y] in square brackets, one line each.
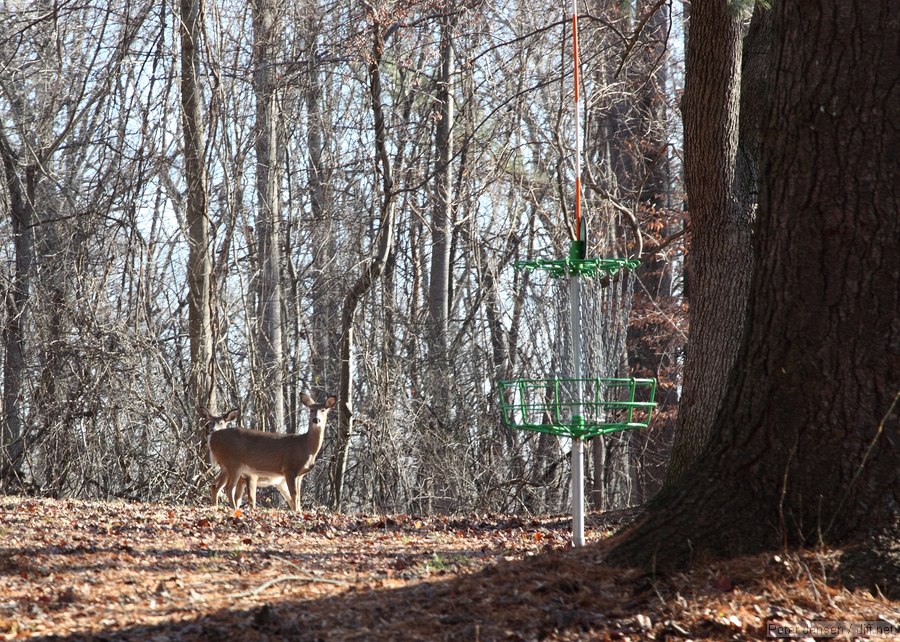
[575, 308]
[578, 492]
[577, 443]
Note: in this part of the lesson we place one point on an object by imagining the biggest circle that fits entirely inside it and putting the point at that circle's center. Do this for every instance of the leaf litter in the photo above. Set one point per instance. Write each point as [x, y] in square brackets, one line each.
[80, 570]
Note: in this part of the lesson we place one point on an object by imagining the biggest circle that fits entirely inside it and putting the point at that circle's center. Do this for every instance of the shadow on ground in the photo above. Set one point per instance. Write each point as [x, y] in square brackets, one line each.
[562, 594]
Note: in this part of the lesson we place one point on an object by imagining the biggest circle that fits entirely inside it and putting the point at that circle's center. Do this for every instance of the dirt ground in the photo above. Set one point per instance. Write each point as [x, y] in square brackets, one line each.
[76, 570]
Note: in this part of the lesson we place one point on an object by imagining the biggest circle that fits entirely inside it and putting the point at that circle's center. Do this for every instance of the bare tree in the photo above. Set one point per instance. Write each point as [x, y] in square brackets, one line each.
[442, 219]
[199, 268]
[269, 391]
[43, 119]
[374, 267]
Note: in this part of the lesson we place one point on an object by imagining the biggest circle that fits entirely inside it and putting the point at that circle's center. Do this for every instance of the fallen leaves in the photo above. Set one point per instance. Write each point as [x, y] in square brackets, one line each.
[145, 571]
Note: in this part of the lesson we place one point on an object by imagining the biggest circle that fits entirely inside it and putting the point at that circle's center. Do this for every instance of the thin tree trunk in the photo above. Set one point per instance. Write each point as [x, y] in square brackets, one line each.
[372, 271]
[441, 229]
[22, 218]
[325, 297]
[270, 395]
[437, 342]
[199, 268]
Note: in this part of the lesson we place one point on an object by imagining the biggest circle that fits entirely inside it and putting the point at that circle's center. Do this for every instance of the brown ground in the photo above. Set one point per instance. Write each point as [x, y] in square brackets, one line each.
[79, 570]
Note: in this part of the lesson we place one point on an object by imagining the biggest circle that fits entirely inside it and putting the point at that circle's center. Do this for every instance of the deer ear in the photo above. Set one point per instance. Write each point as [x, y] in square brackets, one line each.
[205, 413]
[307, 401]
[232, 415]
[329, 403]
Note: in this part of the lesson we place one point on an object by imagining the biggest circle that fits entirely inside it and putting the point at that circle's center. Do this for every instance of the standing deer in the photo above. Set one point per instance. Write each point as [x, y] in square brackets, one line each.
[265, 458]
[220, 422]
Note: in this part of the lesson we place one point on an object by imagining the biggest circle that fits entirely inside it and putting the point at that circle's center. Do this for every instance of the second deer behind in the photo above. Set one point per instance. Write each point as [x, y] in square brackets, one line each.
[265, 458]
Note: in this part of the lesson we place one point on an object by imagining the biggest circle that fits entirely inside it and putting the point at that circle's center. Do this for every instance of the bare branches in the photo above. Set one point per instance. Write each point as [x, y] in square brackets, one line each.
[638, 30]
[95, 141]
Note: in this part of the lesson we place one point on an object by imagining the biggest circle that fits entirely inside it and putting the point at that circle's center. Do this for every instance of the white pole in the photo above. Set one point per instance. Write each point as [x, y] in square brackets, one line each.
[575, 308]
[577, 443]
[577, 491]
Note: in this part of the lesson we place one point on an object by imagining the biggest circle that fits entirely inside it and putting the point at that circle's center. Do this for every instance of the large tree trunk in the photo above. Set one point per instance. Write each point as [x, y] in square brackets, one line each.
[719, 252]
[199, 266]
[807, 447]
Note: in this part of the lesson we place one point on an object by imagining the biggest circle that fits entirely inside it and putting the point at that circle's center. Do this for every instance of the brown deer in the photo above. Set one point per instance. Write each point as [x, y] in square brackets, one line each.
[264, 458]
[220, 422]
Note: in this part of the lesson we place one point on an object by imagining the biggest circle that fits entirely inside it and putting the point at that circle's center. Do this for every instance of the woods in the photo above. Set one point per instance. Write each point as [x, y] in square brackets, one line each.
[227, 205]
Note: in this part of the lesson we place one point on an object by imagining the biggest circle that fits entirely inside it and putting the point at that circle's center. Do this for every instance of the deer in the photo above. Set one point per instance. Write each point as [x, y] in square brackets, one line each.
[220, 422]
[265, 458]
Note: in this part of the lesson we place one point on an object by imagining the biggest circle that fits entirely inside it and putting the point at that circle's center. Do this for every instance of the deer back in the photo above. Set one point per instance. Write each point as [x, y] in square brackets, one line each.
[263, 453]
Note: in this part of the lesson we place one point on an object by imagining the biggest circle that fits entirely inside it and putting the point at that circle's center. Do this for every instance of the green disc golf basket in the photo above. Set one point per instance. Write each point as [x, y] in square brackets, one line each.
[577, 407]
[581, 407]
[605, 405]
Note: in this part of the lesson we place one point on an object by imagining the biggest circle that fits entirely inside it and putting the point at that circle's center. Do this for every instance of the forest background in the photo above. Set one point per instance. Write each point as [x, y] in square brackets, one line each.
[226, 204]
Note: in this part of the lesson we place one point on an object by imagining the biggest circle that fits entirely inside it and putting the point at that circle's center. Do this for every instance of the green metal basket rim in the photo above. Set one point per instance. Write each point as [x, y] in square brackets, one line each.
[586, 430]
[578, 427]
[582, 267]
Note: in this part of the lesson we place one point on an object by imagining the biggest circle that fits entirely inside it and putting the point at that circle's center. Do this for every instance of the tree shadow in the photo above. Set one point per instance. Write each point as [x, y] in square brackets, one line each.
[562, 590]
[873, 562]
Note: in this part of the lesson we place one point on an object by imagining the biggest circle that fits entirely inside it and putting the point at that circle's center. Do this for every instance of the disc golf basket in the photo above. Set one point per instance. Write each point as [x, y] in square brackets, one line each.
[577, 407]
[605, 405]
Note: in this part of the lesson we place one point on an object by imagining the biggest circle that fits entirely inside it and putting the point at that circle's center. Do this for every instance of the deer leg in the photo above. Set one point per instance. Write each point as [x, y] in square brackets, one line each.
[293, 484]
[285, 492]
[235, 483]
[251, 489]
[220, 480]
[299, 487]
[239, 486]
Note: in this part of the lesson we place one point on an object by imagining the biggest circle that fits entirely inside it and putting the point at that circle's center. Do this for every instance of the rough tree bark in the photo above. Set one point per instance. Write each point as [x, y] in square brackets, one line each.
[719, 250]
[808, 432]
